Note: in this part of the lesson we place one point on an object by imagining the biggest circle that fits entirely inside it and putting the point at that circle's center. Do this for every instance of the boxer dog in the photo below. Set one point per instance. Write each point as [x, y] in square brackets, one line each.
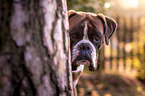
[88, 32]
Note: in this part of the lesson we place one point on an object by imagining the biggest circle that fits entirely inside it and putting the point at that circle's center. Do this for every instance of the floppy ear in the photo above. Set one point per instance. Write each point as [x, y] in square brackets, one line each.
[71, 13]
[110, 26]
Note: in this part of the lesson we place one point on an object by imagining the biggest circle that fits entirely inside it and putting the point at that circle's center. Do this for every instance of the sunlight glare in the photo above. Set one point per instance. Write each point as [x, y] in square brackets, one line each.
[131, 3]
[107, 5]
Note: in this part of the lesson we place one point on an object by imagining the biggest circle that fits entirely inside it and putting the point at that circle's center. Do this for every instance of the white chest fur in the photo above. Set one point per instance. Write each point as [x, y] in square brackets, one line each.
[76, 74]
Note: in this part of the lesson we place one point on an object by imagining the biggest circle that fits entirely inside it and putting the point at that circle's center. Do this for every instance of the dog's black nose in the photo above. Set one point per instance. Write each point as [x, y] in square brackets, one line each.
[85, 47]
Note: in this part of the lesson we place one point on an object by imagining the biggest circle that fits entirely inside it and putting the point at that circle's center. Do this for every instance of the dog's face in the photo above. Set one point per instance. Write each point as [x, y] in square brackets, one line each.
[87, 34]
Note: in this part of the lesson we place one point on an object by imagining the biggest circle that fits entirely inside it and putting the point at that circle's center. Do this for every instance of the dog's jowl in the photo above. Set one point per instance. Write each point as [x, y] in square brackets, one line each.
[88, 32]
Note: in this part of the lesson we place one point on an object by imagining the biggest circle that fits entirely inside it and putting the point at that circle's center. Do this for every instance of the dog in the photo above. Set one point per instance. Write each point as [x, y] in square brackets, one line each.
[88, 32]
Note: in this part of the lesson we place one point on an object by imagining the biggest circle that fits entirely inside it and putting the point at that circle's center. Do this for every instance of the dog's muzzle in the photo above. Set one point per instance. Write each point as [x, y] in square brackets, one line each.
[84, 53]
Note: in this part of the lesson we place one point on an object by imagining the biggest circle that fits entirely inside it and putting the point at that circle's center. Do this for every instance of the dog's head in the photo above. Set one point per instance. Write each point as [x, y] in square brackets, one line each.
[87, 34]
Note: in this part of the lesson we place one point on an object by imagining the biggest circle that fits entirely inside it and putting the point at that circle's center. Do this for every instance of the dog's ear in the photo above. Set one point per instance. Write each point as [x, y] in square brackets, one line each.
[71, 13]
[110, 26]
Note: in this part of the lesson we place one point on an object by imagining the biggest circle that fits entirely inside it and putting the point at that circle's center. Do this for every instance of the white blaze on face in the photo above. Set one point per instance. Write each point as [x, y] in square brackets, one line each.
[85, 31]
[75, 51]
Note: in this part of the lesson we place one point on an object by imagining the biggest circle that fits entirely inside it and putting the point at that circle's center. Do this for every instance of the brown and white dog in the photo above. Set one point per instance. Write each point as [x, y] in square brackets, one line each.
[87, 34]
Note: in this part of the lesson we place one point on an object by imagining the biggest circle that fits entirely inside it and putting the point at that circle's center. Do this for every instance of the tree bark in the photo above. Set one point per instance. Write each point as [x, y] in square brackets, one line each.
[34, 48]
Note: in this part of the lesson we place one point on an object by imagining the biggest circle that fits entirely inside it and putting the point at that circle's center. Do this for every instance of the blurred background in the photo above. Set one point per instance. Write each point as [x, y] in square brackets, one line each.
[121, 65]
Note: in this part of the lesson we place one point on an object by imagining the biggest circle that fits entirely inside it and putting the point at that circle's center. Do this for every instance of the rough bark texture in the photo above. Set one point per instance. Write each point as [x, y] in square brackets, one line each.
[34, 48]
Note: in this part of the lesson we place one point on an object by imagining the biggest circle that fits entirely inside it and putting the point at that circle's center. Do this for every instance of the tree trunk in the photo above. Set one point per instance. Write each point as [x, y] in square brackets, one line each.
[34, 48]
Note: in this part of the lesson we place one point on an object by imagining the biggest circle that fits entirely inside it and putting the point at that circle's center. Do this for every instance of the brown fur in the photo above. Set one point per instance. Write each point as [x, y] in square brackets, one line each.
[97, 20]
[95, 23]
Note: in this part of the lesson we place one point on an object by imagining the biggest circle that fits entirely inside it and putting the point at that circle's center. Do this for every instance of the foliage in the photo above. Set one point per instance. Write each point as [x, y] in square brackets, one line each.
[140, 42]
[96, 6]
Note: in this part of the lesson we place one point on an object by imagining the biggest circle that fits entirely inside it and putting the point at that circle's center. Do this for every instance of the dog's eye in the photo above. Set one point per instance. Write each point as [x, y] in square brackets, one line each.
[96, 39]
[74, 36]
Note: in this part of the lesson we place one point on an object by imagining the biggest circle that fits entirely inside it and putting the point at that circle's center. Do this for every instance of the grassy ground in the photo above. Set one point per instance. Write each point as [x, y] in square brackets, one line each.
[109, 85]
